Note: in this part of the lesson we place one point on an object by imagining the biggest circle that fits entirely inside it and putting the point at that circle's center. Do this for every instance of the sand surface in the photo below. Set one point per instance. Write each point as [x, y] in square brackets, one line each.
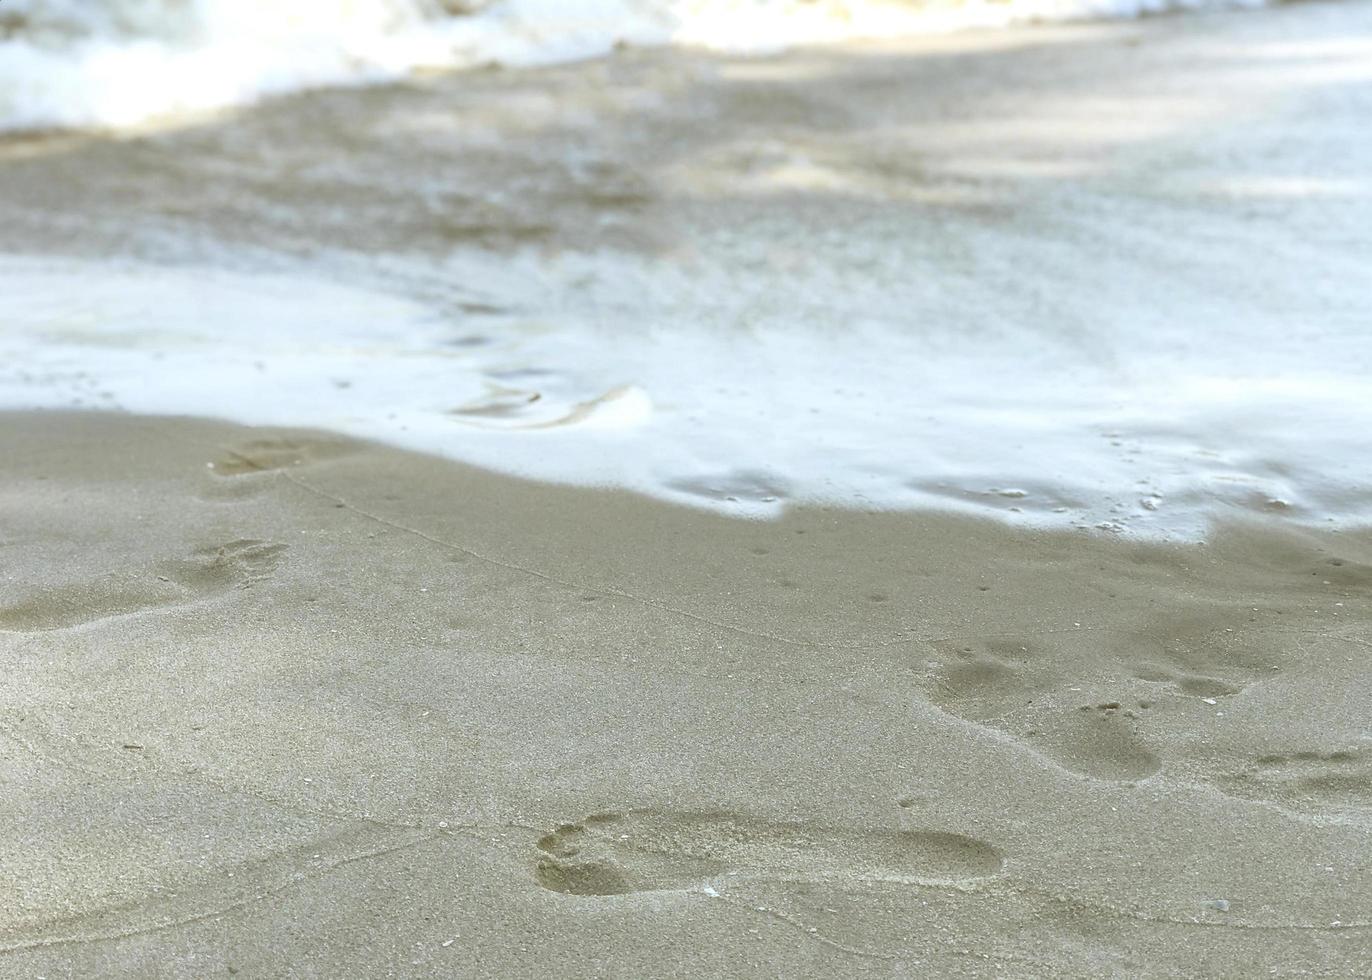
[279, 703]
[289, 705]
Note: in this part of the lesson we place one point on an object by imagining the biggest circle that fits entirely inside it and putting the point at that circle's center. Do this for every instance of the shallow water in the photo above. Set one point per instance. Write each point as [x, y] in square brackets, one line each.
[1102, 279]
[117, 62]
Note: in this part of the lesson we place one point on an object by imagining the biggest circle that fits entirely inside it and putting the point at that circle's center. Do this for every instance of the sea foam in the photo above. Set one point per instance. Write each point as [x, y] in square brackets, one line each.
[654, 387]
[112, 63]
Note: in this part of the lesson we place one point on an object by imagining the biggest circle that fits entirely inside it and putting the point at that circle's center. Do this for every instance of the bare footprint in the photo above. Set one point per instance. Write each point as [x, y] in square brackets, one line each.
[1099, 741]
[985, 680]
[1015, 687]
[206, 573]
[1206, 659]
[1314, 781]
[265, 455]
[1196, 685]
[648, 850]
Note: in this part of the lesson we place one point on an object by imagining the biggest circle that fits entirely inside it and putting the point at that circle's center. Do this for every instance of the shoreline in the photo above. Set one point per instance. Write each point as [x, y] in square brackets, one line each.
[1115, 267]
[304, 718]
[281, 702]
[420, 41]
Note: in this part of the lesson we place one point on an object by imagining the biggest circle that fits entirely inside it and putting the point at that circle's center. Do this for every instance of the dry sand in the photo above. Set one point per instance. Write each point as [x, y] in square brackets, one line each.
[287, 705]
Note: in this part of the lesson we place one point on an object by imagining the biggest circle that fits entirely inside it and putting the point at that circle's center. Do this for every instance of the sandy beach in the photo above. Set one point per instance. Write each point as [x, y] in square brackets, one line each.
[289, 705]
[286, 702]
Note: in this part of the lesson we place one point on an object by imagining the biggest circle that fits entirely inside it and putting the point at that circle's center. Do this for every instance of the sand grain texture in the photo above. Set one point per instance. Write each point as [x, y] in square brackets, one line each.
[372, 702]
[281, 703]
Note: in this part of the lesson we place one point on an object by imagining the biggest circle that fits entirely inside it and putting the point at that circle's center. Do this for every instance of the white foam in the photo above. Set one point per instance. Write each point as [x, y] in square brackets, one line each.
[610, 370]
[74, 63]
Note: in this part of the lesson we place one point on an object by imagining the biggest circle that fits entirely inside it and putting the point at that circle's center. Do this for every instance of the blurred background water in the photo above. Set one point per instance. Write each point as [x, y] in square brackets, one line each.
[116, 62]
[1111, 276]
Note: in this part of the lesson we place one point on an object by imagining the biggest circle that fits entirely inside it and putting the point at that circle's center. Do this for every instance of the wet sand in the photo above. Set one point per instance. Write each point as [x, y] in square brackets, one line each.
[291, 705]
[280, 703]
[1122, 261]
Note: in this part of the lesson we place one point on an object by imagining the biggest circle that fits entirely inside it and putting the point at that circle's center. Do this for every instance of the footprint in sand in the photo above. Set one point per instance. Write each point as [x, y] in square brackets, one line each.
[1196, 685]
[206, 573]
[988, 679]
[1308, 780]
[266, 455]
[1011, 686]
[647, 850]
[1201, 660]
[1100, 741]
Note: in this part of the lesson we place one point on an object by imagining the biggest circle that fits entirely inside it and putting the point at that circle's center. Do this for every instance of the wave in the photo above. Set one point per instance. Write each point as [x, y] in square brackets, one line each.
[1020, 423]
[114, 63]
